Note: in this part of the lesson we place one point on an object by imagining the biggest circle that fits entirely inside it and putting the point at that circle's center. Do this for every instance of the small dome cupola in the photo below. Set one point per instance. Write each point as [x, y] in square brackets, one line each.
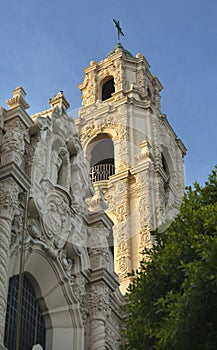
[119, 46]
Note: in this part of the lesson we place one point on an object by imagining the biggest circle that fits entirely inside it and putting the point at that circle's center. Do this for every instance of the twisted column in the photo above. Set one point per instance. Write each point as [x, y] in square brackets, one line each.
[5, 231]
[98, 304]
[97, 330]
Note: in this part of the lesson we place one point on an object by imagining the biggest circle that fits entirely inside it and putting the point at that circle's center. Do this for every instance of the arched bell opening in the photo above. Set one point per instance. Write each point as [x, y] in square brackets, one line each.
[107, 88]
[101, 156]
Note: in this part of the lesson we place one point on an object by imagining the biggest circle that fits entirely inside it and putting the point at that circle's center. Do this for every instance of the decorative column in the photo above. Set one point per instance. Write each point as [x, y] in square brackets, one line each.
[15, 137]
[98, 294]
[98, 311]
[8, 202]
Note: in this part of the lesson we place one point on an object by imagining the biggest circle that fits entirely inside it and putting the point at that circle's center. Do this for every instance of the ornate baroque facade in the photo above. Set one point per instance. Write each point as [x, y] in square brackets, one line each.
[55, 230]
[72, 241]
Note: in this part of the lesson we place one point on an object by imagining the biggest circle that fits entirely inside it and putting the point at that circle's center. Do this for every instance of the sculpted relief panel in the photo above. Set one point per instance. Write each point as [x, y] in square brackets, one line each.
[13, 142]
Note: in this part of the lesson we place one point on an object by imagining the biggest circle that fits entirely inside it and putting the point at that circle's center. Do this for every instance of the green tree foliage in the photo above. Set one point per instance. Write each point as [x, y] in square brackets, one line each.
[172, 300]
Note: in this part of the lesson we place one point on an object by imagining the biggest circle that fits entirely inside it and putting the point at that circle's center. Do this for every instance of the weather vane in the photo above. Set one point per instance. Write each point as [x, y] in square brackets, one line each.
[120, 32]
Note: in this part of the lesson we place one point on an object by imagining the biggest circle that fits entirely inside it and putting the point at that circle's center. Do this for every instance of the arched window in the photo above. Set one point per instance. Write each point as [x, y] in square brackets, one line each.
[32, 323]
[108, 89]
[101, 152]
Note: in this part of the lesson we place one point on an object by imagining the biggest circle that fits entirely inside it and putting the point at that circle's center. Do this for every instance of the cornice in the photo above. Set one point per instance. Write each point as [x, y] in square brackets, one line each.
[21, 113]
[97, 110]
[119, 53]
[181, 146]
[146, 166]
[105, 276]
[121, 175]
[169, 127]
[13, 171]
[139, 103]
[95, 217]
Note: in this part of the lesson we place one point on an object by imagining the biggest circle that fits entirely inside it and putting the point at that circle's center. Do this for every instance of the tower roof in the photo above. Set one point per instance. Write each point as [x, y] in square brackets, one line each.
[119, 46]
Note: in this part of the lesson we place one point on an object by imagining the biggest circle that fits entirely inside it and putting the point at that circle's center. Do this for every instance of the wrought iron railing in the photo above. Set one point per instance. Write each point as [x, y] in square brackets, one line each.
[101, 172]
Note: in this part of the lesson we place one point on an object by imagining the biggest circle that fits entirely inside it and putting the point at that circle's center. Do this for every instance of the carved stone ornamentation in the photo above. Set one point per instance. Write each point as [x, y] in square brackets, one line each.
[9, 191]
[80, 290]
[18, 99]
[5, 230]
[97, 202]
[98, 301]
[55, 214]
[112, 335]
[98, 246]
[98, 304]
[67, 264]
[144, 236]
[13, 142]
[92, 129]
[17, 228]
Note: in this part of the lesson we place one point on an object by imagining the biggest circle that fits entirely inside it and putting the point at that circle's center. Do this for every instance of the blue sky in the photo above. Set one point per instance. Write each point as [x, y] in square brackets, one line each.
[46, 44]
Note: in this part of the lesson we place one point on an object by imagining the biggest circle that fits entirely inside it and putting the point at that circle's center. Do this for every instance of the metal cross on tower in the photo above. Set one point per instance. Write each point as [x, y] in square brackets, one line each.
[120, 32]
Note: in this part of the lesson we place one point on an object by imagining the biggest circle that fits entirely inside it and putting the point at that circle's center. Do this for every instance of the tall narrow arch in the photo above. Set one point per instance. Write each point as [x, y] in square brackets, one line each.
[164, 164]
[108, 88]
[32, 322]
[166, 169]
[101, 157]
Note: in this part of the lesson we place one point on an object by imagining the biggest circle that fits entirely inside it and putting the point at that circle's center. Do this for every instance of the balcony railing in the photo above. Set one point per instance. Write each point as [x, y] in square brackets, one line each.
[101, 172]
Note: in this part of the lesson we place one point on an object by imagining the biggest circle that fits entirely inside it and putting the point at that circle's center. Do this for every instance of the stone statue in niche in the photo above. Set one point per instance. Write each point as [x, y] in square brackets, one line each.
[61, 169]
[63, 178]
[76, 188]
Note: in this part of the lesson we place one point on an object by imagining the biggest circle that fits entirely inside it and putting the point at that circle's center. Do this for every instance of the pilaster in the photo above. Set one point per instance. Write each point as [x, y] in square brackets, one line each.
[9, 191]
[12, 182]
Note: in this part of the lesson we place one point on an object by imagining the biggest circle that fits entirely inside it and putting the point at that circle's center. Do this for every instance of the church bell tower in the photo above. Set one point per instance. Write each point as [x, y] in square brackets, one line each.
[132, 152]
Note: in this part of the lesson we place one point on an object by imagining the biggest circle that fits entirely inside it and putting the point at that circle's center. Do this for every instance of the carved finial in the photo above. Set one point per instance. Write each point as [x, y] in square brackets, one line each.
[120, 32]
[18, 99]
[59, 100]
